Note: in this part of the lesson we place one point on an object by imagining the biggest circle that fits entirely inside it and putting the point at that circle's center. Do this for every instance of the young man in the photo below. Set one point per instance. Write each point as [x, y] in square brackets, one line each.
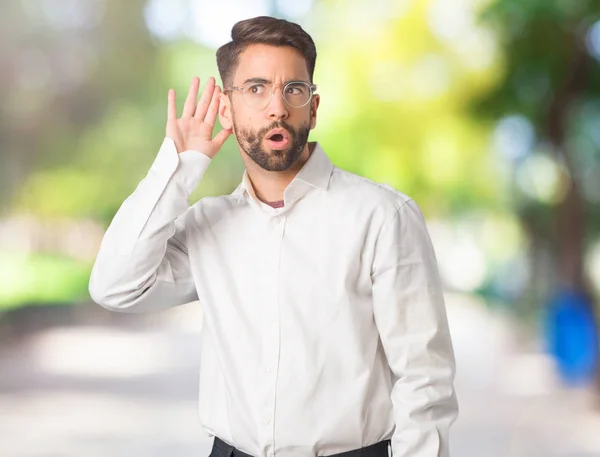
[325, 331]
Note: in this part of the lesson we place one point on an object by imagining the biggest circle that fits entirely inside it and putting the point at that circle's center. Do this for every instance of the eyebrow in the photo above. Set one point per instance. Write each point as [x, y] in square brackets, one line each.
[257, 80]
[268, 81]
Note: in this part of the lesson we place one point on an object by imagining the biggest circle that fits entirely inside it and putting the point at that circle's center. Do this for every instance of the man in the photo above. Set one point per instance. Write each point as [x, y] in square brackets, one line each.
[325, 331]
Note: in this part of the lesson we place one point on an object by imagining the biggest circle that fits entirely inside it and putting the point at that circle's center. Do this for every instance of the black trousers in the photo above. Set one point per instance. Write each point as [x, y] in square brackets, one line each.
[222, 449]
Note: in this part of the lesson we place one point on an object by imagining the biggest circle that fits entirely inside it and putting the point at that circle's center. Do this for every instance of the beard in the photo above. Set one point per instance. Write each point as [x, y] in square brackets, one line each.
[273, 160]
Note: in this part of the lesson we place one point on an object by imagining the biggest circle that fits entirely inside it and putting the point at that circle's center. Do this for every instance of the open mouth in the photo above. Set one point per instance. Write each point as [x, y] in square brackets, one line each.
[278, 138]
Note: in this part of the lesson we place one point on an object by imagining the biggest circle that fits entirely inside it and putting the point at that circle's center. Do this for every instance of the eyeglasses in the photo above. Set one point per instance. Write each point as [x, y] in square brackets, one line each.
[257, 95]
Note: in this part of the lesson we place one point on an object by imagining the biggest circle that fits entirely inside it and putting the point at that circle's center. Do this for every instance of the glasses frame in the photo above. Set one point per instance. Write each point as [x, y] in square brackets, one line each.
[242, 89]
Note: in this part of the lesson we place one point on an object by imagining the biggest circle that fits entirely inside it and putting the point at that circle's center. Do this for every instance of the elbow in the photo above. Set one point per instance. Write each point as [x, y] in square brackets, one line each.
[105, 300]
[113, 300]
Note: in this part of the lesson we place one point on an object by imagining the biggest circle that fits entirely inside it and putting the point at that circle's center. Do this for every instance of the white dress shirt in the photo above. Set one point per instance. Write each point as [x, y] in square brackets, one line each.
[325, 327]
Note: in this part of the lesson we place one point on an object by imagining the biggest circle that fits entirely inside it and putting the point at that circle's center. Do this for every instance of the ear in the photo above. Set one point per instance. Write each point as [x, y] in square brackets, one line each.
[314, 105]
[225, 115]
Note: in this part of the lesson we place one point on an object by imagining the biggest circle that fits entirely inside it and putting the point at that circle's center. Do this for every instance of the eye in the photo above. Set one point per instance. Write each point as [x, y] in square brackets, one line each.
[296, 89]
[256, 89]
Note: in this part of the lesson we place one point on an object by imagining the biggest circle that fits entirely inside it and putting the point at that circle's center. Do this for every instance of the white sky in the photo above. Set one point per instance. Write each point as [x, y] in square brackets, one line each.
[209, 22]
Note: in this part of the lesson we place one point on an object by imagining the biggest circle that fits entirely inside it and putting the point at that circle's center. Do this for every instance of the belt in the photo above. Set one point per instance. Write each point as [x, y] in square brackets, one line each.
[222, 449]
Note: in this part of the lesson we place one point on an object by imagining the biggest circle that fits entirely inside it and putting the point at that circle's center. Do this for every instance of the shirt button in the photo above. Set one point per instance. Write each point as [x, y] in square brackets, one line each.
[266, 420]
[269, 369]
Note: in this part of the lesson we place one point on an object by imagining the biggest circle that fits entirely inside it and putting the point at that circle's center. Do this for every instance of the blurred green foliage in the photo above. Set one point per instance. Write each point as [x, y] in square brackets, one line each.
[41, 278]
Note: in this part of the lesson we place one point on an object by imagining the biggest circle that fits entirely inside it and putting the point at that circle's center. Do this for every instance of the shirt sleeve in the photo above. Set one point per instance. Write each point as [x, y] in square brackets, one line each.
[143, 264]
[410, 315]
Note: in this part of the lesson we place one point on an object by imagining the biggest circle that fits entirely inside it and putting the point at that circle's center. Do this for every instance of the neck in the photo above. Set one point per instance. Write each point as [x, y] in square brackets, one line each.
[269, 186]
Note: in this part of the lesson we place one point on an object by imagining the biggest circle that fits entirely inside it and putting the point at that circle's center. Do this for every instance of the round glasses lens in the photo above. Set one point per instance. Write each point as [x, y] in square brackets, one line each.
[257, 95]
[297, 94]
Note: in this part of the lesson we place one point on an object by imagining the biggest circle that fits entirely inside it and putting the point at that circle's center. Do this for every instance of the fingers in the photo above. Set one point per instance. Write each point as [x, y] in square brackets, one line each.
[171, 108]
[190, 102]
[213, 109]
[205, 99]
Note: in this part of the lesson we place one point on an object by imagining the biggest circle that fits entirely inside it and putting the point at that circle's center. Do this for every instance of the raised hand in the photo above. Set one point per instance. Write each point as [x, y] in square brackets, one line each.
[194, 129]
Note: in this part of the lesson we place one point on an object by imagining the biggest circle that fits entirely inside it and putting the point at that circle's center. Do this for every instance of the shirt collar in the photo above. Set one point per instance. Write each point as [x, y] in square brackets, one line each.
[315, 172]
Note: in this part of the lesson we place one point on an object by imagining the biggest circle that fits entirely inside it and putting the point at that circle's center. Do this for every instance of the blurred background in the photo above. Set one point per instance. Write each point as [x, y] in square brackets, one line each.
[486, 112]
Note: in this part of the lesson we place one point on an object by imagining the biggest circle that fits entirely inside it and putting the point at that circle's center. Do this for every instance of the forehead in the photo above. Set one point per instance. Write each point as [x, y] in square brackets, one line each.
[275, 63]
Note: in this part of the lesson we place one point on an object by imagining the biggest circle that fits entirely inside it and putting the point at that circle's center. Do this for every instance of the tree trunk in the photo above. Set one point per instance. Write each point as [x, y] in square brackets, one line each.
[571, 216]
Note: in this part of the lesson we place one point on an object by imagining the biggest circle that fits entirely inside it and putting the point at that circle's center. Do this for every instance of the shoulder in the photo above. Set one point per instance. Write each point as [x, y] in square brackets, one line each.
[211, 208]
[368, 192]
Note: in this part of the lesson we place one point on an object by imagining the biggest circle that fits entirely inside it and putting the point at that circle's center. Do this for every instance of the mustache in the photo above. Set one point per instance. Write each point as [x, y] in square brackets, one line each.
[276, 125]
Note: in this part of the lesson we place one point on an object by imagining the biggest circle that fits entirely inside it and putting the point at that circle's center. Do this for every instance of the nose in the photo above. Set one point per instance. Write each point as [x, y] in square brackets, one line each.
[277, 108]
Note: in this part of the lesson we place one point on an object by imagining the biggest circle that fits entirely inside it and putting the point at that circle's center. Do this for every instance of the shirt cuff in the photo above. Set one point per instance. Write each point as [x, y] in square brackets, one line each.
[186, 168]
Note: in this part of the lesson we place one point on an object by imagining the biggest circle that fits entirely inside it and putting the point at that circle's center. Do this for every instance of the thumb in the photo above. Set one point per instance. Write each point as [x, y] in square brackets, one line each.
[221, 137]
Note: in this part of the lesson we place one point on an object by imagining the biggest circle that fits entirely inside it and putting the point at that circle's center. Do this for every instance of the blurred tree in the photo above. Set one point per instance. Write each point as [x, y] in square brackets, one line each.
[64, 64]
[552, 78]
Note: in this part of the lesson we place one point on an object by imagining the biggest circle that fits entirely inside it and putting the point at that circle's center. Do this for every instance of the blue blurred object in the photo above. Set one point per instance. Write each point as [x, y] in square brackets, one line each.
[572, 336]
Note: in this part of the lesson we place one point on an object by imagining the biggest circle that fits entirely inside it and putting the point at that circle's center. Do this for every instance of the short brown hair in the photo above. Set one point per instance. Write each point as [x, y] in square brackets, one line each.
[264, 30]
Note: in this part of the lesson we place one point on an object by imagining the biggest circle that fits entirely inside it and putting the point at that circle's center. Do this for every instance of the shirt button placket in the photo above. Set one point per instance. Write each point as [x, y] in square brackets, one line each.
[272, 334]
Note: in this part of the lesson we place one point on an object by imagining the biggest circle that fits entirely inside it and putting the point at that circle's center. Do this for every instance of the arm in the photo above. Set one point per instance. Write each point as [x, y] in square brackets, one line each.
[411, 319]
[143, 262]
